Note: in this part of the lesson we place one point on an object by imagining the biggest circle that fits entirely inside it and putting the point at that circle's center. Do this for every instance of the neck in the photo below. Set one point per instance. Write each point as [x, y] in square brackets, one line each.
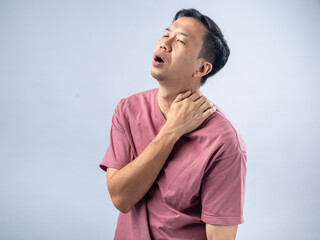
[167, 95]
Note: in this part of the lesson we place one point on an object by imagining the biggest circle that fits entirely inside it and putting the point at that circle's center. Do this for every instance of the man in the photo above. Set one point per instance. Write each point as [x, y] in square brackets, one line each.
[176, 165]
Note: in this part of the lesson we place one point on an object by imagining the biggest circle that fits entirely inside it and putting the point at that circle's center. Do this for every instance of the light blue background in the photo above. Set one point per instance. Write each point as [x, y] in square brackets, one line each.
[64, 65]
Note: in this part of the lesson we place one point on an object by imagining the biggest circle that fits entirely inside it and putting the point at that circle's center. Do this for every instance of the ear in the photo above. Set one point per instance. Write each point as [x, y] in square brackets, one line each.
[204, 68]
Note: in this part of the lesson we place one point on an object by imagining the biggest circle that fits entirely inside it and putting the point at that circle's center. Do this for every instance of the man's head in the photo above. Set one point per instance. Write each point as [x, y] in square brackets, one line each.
[192, 48]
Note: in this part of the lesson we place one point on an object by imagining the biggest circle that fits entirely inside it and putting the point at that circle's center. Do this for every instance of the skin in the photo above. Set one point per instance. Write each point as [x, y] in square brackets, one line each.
[183, 69]
[184, 107]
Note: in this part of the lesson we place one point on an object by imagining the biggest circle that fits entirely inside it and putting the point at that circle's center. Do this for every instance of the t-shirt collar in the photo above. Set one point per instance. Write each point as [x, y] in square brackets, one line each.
[158, 114]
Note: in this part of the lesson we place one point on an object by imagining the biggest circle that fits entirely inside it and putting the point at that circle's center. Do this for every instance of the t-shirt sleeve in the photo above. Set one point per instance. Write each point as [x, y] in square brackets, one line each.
[119, 151]
[222, 192]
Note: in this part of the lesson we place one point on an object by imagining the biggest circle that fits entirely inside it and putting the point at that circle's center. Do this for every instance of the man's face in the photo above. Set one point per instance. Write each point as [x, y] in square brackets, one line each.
[179, 49]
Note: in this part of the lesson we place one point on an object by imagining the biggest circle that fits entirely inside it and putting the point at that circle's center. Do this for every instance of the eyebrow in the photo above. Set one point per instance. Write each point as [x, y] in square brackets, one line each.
[182, 33]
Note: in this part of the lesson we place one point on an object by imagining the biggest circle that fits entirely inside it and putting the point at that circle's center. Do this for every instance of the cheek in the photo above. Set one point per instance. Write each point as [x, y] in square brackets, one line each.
[187, 61]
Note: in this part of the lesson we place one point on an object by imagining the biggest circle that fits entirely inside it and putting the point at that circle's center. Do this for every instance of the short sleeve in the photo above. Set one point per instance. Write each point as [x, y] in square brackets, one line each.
[222, 191]
[119, 151]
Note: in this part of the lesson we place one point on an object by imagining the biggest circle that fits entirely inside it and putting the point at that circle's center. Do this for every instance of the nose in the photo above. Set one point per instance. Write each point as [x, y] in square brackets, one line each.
[165, 44]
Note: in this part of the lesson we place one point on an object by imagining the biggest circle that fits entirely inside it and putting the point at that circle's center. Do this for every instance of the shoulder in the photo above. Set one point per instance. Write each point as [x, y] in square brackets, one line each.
[130, 106]
[135, 100]
[219, 130]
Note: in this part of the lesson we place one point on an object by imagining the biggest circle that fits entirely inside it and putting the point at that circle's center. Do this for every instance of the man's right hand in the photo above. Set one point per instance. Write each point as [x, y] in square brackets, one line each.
[187, 112]
[128, 185]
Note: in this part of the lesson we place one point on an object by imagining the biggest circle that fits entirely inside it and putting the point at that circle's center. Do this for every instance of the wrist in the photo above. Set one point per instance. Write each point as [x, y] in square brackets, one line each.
[170, 133]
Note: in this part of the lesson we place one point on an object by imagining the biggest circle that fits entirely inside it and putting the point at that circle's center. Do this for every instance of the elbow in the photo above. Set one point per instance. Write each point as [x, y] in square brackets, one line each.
[119, 200]
[123, 209]
[121, 205]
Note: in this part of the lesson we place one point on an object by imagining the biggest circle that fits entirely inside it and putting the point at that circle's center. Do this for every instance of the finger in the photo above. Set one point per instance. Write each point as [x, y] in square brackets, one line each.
[182, 96]
[207, 113]
[204, 106]
[200, 101]
[194, 96]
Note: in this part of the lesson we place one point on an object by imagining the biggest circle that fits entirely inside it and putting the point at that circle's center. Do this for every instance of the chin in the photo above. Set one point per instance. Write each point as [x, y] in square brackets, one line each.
[158, 77]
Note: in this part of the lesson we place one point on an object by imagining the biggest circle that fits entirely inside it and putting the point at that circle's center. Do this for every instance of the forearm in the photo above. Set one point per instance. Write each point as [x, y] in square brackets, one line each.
[219, 232]
[129, 184]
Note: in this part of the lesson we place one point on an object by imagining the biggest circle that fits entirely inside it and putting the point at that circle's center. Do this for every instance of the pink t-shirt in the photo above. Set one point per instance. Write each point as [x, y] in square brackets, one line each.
[203, 180]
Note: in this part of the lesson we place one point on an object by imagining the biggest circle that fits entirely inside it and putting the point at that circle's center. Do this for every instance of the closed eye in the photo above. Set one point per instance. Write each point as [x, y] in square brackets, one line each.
[181, 41]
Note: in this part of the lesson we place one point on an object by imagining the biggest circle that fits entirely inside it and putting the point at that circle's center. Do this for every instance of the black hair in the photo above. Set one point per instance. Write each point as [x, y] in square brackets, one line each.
[214, 46]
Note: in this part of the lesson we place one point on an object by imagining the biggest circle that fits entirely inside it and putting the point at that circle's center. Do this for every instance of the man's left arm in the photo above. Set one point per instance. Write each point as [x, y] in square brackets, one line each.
[222, 196]
[220, 232]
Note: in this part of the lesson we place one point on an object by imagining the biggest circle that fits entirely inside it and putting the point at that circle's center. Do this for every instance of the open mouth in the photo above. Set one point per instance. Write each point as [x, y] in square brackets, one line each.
[158, 59]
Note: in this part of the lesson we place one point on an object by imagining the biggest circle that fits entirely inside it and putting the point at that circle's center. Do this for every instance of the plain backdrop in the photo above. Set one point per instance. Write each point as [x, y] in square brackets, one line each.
[64, 66]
